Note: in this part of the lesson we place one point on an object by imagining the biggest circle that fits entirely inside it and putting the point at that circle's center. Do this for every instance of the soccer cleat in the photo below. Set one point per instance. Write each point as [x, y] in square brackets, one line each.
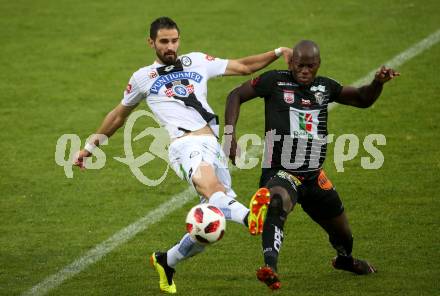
[354, 265]
[159, 261]
[266, 275]
[257, 210]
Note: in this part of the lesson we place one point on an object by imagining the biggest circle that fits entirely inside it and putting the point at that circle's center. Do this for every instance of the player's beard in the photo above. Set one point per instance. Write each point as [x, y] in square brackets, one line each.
[168, 58]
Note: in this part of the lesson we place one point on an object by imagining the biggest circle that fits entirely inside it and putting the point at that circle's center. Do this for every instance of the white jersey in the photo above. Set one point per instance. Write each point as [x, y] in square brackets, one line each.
[177, 94]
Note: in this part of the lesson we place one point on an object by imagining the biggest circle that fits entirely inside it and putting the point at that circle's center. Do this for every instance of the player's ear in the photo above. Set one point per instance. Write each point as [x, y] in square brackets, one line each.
[150, 42]
[291, 64]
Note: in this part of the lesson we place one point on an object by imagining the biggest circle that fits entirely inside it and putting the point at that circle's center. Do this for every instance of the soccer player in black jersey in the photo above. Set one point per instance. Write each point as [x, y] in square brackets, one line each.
[296, 106]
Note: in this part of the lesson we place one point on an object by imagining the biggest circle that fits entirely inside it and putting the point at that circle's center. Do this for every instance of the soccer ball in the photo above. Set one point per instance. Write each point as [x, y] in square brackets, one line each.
[206, 223]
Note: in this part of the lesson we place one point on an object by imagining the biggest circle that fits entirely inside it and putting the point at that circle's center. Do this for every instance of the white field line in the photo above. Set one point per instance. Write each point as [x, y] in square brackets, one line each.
[400, 59]
[179, 200]
[119, 238]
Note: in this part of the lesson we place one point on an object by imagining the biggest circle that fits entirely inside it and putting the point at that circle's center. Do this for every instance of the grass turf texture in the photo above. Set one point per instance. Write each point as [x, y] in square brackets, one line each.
[65, 65]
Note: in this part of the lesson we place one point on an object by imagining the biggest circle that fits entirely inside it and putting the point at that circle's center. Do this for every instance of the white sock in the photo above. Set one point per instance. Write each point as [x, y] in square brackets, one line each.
[186, 248]
[232, 209]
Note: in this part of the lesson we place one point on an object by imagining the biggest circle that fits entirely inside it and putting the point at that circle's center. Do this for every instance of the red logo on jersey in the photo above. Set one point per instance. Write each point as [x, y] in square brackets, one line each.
[190, 88]
[255, 81]
[209, 58]
[128, 88]
[152, 74]
[289, 96]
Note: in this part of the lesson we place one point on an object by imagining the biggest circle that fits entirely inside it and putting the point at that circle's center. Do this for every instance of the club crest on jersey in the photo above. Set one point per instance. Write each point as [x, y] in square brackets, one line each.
[319, 96]
[289, 96]
[179, 90]
[186, 61]
[320, 88]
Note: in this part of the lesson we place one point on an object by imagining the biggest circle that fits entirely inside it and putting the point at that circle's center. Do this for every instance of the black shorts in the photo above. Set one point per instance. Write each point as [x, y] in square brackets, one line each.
[313, 191]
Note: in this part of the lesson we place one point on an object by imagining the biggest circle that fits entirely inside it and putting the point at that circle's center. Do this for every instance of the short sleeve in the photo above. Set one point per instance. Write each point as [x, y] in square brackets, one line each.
[132, 94]
[214, 66]
[334, 89]
[263, 84]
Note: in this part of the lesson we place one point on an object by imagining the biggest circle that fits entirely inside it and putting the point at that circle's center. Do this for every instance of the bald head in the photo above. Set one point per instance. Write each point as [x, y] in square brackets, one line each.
[306, 48]
[305, 61]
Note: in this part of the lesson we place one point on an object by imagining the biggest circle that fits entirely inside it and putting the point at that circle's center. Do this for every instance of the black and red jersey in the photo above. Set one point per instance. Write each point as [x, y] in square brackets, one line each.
[295, 120]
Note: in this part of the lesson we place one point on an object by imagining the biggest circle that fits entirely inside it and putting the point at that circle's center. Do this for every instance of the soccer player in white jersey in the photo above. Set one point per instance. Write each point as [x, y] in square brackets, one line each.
[175, 89]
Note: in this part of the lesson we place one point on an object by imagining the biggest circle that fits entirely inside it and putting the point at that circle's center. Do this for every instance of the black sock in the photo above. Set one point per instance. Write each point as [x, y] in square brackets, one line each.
[343, 246]
[273, 234]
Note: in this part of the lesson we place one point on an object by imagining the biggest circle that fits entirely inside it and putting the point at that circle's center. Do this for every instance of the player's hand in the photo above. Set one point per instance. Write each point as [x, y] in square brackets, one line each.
[385, 74]
[287, 54]
[79, 158]
[234, 150]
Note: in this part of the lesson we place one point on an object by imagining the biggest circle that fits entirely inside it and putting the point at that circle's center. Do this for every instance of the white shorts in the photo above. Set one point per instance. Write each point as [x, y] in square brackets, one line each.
[187, 153]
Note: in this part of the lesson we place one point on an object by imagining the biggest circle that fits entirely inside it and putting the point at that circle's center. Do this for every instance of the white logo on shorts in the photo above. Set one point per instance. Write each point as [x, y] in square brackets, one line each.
[194, 154]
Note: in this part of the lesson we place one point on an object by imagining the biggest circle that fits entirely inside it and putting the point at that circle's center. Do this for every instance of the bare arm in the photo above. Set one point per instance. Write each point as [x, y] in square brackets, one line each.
[239, 95]
[365, 96]
[111, 123]
[251, 64]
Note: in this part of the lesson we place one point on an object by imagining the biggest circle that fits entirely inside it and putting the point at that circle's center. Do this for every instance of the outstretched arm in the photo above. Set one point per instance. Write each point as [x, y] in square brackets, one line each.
[239, 95]
[111, 123]
[251, 64]
[365, 96]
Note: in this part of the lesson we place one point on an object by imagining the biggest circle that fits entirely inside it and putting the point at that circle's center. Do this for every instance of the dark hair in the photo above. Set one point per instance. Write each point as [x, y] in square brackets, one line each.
[163, 22]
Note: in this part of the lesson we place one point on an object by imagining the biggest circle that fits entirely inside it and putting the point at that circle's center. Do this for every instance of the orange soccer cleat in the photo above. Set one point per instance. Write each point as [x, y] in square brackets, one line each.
[258, 210]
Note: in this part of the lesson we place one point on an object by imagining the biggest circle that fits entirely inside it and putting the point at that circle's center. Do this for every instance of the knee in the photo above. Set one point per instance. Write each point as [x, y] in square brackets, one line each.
[206, 188]
[281, 204]
[281, 199]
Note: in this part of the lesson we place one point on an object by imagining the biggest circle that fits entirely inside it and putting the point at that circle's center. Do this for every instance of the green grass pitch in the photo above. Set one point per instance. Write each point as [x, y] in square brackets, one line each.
[64, 65]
